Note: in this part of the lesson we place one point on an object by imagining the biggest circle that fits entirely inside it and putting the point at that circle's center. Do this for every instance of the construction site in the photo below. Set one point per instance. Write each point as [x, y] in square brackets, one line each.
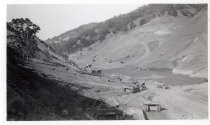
[155, 71]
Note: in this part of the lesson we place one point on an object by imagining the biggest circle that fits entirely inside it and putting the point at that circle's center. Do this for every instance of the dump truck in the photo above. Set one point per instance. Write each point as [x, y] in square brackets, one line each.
[151, 107]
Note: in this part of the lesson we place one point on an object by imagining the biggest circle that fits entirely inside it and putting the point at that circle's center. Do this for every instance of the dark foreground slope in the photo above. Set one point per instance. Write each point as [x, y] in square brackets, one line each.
[36, 95]
[33, 95]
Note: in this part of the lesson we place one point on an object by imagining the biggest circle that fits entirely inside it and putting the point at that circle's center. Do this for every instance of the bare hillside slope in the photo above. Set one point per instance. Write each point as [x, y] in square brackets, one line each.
[177, 43]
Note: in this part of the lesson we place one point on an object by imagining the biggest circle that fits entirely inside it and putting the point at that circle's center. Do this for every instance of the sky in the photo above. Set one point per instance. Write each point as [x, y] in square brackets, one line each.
[56, 19]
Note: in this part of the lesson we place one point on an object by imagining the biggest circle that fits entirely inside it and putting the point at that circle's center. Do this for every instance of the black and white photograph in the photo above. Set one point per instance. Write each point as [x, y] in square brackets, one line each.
[76, 62]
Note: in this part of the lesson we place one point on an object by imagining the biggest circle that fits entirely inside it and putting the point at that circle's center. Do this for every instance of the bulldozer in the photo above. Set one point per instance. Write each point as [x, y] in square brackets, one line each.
[135, 88]
[89, 71]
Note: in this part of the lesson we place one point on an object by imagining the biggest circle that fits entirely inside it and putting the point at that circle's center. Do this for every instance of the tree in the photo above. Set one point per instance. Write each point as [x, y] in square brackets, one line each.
[23, 35]
[24, 29]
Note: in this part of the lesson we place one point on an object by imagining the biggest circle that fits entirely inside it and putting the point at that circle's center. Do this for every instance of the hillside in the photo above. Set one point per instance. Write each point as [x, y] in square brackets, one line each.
[85, 35]
[133, 60]
[44, 85]
[29, 91]
[178, 43]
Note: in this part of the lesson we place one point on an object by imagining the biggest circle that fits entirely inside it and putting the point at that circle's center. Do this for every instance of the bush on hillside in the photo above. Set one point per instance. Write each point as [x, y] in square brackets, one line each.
[143, 21]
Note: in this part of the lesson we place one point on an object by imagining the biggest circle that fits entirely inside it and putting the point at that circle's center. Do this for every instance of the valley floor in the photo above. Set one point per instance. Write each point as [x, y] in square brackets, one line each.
[180, 101]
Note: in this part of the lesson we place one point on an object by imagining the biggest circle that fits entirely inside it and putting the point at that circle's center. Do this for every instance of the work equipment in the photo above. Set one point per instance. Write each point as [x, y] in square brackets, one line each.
[162, 85]
[151, 107]
[135, 88]
[89, 71]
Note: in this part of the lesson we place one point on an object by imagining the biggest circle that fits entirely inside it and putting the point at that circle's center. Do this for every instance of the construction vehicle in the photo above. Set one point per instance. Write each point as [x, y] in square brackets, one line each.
[96, 72]
[131, 89]
[135, 88]
[162, 85]
[89, 71]
[151, 107]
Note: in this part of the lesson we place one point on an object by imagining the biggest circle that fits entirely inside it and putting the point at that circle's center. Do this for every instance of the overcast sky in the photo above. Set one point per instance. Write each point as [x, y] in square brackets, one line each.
[56, 19]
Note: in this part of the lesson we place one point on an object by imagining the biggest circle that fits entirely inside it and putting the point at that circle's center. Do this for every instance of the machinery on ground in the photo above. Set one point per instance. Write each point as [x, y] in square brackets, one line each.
[162, 85]
[151, 107]
[89, 71]
[134, 88]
